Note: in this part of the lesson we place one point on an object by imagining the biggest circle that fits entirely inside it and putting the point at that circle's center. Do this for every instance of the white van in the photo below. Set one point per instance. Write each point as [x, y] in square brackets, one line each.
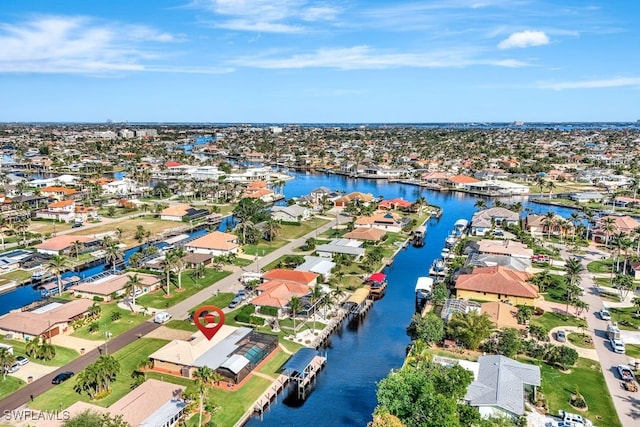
[162, 317]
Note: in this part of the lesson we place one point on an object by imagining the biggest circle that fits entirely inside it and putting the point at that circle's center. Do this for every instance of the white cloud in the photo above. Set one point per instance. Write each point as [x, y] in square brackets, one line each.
[593, 84]
[524, 39]
[365, 57]
[284, 16]
[62, 44]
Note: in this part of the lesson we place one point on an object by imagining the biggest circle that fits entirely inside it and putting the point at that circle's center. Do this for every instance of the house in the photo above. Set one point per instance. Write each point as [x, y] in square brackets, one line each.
[291, 276]
[341, 246]
[62, 210]
[497, 187]
[502, 315]
[397, 203]
[182, 212]
[232, 352]
[48, 320]
[153, 403]
[63, 243]
[626, 202]
[541, 225]
[278, 294]
[460, 181]
[497, 284]
[383, 220]
[366, 234]
[58, 193]
[293, 213]
[619, 224]
[500, 247]
[265, 194]
[501, 386]
[317, 265]
[121, 187]
[86, 213]
[476, 259]
[484, 220]
[355, 197]
[585, 197]
[215, 244]
[113, 286]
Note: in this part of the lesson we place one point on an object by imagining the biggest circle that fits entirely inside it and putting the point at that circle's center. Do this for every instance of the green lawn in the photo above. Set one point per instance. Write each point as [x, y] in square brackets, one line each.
[632, 350]
[242, 262]
[581, 340]
[273, 366]
[190, 285]
[626, 317]
[64, 355]
[63, 395]
[552, 320]
[9, 385]
[263, 247]
[603, 266]
[557, 387]
[557, 291]
[17, 275]
[127, 321]
[221, 300]
[294, 231]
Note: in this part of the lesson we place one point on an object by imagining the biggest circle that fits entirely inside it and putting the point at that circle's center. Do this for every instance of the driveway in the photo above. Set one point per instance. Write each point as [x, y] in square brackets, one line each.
[588, 353]
[34, 370]
[75, 343]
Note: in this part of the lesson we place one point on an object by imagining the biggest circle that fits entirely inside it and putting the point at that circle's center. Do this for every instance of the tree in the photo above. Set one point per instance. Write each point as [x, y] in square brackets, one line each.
[133, 284]
[167, 268]
[419, 354]
[7, 360]
[426, 397]
[76, 248]
[250, 209]
[524, 314]
[271, 229]
[542, 280]
[470, 328]
[96, 378]
[177, 263]
[315, 297]
[294, 305]
[636, 304]
[573, 268]
[113, 254]
[428, 329]
[57, 265]
[562, 356]
[140, 234]
[509, 342]
[624, 284]
[90, 418]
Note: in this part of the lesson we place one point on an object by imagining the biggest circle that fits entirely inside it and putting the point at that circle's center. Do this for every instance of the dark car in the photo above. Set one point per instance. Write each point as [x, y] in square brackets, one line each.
[61, 377]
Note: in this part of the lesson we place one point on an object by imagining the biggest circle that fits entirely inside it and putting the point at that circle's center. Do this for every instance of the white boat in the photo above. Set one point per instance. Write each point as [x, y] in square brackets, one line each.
[446, 253]
[38, 273]
[424, 287]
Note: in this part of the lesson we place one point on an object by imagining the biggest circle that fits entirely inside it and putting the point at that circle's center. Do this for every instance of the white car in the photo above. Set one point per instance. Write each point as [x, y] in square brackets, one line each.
[137, 293]
[604, 314]
[617, 346]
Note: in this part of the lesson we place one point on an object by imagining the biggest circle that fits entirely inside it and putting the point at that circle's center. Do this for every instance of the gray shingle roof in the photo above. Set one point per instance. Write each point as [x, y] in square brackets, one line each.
[501, 382]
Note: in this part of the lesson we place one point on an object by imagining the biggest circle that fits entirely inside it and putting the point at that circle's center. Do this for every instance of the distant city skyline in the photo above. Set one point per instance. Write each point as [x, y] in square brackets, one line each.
[299, 61]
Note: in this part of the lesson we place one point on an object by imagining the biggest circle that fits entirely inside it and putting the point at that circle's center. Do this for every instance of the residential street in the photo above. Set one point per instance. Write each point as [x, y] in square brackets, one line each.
[627, 403]
[43, 384]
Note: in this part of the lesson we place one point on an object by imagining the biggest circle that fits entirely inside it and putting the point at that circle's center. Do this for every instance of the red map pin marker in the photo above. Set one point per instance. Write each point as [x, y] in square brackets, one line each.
[213, 320]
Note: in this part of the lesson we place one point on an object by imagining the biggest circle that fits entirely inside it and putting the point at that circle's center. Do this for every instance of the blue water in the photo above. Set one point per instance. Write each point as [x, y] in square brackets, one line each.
[362, 354]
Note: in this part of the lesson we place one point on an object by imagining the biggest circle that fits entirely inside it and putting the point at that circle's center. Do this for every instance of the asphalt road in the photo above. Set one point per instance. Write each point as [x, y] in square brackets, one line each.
[43, 384]
[627, 403]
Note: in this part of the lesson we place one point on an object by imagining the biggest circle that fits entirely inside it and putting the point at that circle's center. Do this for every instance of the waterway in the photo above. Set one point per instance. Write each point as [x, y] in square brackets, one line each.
[362, 354]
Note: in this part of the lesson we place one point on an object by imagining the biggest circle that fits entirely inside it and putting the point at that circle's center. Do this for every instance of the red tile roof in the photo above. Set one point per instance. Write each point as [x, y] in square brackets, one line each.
[276, 293]
[463, 179]
[498, 281]
[285, 275]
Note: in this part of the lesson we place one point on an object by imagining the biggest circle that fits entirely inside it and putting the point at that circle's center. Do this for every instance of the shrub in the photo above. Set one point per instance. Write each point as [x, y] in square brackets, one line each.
[115, 316]
[268, 311]
[93, 327]
[98, 299]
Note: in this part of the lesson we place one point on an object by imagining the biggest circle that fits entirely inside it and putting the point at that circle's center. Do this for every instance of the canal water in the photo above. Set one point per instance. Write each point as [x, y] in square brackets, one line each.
[360, 354]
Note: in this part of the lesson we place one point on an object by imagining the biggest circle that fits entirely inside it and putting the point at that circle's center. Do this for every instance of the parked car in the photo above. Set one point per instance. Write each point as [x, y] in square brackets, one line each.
[561, 335]
[13, 368]
[162, 317]
[625, 372]
[241, 294]
[61, 377]
[76, 225]
[604, 314]
[235, 302]
[21, 360]
[617, 346]
[137, 293]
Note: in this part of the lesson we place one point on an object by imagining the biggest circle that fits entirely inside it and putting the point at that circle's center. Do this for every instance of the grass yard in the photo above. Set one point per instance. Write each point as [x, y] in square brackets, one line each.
[274, 365]
[557, 387]
[9, 385]
[603, 266]
[154, 225]
[626, 317]
[17, 275]
[263, 247]
[64, 355]
[127, 321]
[632, 350]
[63, 395]
[581, 340]
[221, 300]
[294, 231]
[552, 320]
[190, 285]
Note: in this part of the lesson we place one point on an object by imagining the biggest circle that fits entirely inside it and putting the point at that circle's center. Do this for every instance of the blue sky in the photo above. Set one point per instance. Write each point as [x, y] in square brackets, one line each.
[297, 61]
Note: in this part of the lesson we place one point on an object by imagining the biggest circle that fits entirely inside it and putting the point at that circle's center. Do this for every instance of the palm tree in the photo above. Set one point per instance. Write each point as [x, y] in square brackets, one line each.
[167, 268]
[542, 280]
[480, 204]
[199, 271]
[133, 284]
[112, 255]
[608, 226]
[624, 284]
[573, 269]
[32, 347]
[177, 263]
[204, 376]
[580, 306]
[636, 304]
[57, 265]
[7, 360]
[549, 221]
[46, 351]
[419, 355]
[77, 248]
[471, 328]
[316, 296]
[294, 305]
[3, 226]
[271, 229]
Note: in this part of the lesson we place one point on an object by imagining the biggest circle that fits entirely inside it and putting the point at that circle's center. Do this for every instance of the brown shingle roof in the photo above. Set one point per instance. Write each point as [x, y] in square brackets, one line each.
[33, 323]
[62, 242]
